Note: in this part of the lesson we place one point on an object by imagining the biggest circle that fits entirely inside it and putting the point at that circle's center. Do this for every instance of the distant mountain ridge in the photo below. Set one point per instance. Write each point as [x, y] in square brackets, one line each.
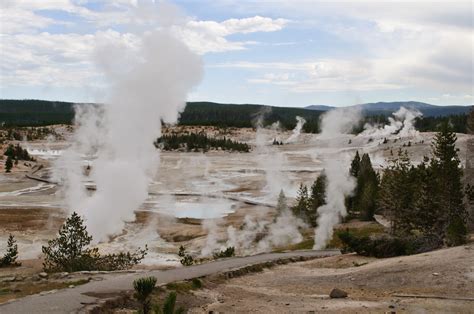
[387, 108]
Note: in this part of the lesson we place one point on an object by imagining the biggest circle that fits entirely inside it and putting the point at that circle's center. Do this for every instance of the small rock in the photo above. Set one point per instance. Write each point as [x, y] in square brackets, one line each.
[71, 286]
[43, 275]
[19, 278]
[337, 294]
[391, 306]
[435, 274]
[8, 279]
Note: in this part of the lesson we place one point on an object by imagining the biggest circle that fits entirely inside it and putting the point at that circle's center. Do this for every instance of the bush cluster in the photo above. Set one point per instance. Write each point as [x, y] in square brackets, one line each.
[186, 259]
[228, 252]
[70, 252]
[386, 246]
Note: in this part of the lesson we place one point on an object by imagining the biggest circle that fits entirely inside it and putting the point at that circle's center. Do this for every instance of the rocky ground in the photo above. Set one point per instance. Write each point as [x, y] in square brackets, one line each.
[443, 280]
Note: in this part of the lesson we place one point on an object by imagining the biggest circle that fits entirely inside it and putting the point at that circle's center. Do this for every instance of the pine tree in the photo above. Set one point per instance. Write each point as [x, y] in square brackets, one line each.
[302, 201]
[354, 171]
[448, 174]
[8, 164]
[355, 165]
[65, 252]
[426, 209]
[470, 121]
[365, 197]
[9, 259]
[317, 199]
[70, 252]
[395, 197]
[282, 205]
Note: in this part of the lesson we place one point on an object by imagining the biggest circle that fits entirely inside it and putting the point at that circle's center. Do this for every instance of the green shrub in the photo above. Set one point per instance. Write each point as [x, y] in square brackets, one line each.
[143, 289]
[229, 252]
[386, 246]
[168, 306]
[197, 284]
[186, 259]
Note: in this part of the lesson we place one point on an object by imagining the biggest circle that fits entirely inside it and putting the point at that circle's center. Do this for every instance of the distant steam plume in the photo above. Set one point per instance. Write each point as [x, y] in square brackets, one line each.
[148, 84]
[402, 124]
[297, 130]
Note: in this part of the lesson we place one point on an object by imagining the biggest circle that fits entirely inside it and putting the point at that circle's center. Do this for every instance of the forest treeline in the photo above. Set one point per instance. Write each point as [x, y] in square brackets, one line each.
[199, 142]
[31, 112]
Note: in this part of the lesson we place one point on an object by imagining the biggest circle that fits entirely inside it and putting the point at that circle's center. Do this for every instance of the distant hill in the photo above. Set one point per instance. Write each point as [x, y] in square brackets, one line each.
[387, 108]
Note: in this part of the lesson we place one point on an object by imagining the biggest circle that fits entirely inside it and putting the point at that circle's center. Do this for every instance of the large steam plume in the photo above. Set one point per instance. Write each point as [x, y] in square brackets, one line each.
[148, 84]
[340, 184]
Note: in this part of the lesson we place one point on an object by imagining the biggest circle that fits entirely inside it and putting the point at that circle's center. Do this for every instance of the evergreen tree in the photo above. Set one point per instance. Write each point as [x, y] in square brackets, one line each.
[317, 199]
[396, 194]
[9, 259]
[282, 204]
[470, 121]
[426, 209]
[302, 201]
[67, 250]
[8, 164]
[448, 174]
[355, 165]
[365, 197]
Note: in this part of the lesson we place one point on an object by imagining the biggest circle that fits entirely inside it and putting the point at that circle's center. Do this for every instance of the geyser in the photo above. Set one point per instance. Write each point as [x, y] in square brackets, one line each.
[149, 83]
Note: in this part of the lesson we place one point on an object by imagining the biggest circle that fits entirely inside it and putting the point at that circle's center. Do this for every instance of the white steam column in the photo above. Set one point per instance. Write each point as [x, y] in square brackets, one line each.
[340, 184]
[149, 81]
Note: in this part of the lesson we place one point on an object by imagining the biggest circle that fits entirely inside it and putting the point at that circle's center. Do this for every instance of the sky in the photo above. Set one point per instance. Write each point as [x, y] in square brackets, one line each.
[291, 53]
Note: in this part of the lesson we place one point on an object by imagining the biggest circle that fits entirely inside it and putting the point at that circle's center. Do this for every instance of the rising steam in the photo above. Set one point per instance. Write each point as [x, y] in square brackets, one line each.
[148, 84]
[297, 130]
[340, 184]
[402, 124]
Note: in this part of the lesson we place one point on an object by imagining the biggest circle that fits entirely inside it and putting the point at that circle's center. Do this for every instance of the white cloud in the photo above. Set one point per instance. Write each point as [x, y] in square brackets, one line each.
[33, 57]
[422, 44]
[400, 45]
[210, 36]
[54, 60]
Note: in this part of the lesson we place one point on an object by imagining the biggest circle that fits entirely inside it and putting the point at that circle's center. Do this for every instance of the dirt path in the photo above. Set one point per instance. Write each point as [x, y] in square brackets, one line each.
[373, 285]
[75, 299]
